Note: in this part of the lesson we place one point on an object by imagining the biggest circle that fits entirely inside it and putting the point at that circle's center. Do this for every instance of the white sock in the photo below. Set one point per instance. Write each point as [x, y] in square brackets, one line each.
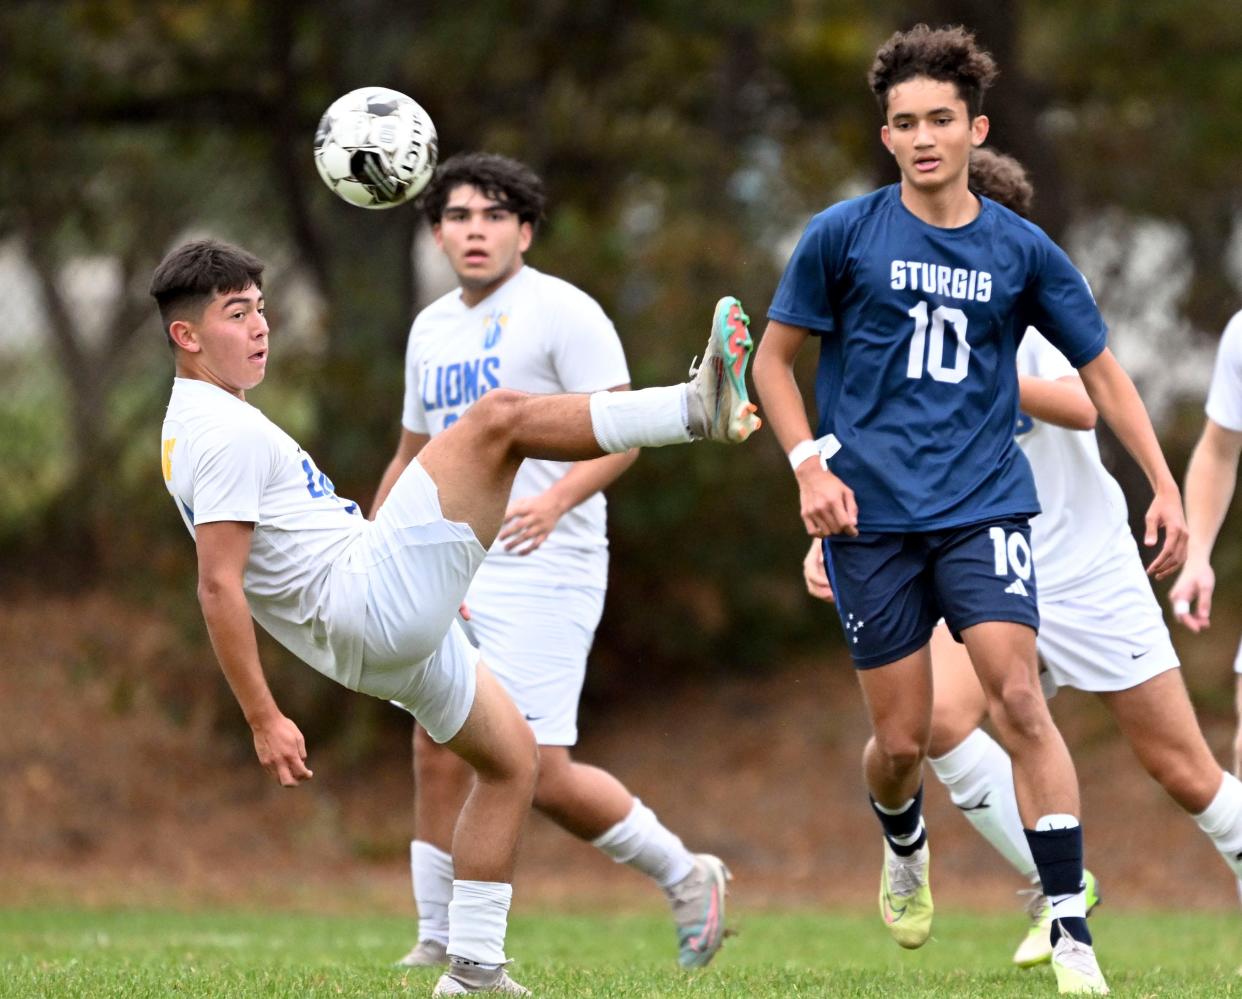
[478, 919]
[642, 842]
[432, 874]
[1222, 821]
[650, 417]
[979, 778]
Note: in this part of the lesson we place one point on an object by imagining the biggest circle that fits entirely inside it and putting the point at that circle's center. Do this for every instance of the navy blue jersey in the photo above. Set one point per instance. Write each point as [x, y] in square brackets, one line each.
[919, 331]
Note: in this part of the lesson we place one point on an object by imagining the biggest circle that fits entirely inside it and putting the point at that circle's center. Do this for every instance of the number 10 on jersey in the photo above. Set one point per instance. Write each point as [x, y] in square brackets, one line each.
[928, 342]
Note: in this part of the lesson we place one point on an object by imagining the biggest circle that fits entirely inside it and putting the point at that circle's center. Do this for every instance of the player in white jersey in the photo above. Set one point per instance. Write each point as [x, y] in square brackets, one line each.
[537, 599]
[1210, 480]
[1101, 629]
[372, 604]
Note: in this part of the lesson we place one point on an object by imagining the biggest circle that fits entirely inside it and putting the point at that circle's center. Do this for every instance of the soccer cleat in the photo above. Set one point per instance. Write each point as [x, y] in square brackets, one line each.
[464, 977]
[720, 409]
[698, 904]
[1078, 973]
[905, 895]
[1036, 946]
[425, 954]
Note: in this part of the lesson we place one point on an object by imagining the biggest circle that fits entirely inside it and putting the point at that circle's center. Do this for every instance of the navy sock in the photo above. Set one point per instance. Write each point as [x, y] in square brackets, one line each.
[1058, 857]
[904, 825]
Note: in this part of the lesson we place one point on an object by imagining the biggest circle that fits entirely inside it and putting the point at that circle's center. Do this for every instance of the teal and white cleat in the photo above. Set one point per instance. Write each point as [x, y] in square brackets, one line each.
[905, 896]
[719, 407]
[425, 954]
[1036, 946]
[465, 977]
[1078, 973]
[698, 904]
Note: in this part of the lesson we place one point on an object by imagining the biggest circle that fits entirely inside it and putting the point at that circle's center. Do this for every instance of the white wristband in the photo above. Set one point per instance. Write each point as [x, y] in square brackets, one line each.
[802, 451]
[823, 448]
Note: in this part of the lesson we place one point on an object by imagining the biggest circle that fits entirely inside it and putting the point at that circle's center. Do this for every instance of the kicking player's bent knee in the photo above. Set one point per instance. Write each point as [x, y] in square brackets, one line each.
[495, 413]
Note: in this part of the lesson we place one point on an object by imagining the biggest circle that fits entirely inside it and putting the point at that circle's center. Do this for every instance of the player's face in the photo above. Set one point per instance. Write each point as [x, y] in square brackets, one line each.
[483, 241]
[930, 133]
[227, 345]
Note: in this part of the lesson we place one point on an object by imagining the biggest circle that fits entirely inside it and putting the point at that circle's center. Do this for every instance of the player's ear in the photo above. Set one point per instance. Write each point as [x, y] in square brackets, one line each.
[438, 236]
[979, 126]
[526, 232]
[886, 138]
[183, 334]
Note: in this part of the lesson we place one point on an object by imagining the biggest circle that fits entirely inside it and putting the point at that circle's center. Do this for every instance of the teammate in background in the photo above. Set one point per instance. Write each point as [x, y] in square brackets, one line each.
[1101, 629]
[535, 602]
[371, 604]
[1210, 480]
[920, 292]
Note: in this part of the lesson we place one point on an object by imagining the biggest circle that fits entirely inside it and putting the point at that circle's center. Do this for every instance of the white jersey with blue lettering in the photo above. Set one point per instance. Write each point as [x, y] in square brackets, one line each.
[223, 460]
[535, 333]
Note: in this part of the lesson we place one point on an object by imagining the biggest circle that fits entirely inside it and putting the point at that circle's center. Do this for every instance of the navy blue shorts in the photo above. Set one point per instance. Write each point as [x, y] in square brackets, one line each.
[891, 589]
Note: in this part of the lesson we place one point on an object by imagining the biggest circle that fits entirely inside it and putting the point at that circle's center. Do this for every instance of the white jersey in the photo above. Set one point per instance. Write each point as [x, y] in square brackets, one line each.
[1084, 508]
[535, 333]
[1224, 401]
[223, 460]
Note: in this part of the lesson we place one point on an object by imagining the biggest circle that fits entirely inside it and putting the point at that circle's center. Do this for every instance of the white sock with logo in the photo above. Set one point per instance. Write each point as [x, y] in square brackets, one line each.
[650, 417]
[431, 870]
[1222, 821]
[642, 842]
[478, 920]
[979, 778]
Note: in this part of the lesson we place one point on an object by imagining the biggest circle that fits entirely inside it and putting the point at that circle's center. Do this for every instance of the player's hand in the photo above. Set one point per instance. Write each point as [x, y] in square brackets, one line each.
[529, 521]
[1191, 595]
[464, 611]
[815, 574]
[1165, 513]
[282, 750]
[827, 503]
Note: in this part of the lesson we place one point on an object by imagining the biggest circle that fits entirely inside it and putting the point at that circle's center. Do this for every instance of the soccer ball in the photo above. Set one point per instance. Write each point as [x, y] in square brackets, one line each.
[375, 147]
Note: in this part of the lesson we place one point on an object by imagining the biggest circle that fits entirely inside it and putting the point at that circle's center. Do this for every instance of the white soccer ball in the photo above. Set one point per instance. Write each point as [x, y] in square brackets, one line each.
[375, 147]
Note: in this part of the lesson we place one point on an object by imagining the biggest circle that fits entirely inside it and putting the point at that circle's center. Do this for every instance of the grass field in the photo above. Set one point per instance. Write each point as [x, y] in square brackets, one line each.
[46, 952]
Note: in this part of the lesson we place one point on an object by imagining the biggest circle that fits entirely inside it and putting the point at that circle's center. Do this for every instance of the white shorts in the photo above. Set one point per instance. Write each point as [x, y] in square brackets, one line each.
[535, 639]
[417, 567]
[1107, 632]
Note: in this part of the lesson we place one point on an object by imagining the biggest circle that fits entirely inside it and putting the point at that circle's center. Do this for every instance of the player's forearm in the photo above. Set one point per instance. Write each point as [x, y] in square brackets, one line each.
[586, 478]
[781, 400]
[232, 637]
[1062, 402]
[1210, 479]
[1118, 401]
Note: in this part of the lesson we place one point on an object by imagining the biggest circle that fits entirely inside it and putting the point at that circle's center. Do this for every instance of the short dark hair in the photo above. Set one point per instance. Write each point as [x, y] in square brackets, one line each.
[192, 274]
[510, 184]
[949, 55]
[1001, 178]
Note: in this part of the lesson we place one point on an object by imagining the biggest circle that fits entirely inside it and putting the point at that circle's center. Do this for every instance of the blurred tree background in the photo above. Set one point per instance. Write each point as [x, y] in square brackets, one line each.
[684, 145]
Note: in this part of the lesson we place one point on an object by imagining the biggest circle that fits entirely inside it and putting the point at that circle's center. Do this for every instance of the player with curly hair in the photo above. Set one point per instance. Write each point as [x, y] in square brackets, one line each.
[919, 293]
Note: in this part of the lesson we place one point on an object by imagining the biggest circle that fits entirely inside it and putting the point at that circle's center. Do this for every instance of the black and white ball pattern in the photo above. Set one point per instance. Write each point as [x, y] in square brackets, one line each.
[375, 147]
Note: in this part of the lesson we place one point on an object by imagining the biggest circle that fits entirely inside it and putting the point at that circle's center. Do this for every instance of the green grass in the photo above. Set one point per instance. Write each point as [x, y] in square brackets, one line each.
[46, 952]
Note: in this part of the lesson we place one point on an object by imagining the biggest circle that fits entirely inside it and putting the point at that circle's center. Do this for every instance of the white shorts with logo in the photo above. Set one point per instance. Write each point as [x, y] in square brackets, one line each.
[1106, 632]
[536, 638]
[417, 567]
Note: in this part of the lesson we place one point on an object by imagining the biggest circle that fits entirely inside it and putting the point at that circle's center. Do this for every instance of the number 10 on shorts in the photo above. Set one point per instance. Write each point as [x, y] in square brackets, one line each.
[1010, 553]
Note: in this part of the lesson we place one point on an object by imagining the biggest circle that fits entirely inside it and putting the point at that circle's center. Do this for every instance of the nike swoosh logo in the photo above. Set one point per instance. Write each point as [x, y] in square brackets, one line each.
[892, 915]
[1139, 655]
[978, 805]
[531, 718]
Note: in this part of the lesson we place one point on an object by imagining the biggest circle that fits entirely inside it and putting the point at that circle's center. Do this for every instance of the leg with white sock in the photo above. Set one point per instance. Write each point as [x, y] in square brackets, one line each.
[970, 764]
[499, 746]
[1157, 719]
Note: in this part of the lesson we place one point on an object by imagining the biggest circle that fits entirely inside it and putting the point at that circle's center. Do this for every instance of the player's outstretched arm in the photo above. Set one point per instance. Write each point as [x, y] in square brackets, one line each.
[1210, 480]
[1117, 400]
[827, 503]
[223, 548]
[407, 450]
